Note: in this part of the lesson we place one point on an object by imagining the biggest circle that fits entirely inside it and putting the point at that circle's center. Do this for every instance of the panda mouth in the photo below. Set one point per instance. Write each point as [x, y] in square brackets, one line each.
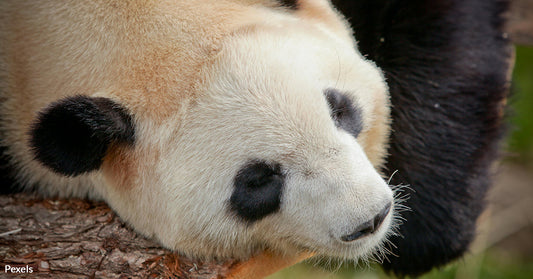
[358, 244]
[369, 227]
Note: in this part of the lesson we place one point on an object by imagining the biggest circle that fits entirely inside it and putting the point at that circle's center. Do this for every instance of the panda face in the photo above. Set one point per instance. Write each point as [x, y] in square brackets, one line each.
[273, 152]
[277, 148]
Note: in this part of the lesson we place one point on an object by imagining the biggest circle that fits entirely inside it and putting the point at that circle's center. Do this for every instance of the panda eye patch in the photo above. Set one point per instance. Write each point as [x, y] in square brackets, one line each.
[344, 112]
[257, 190]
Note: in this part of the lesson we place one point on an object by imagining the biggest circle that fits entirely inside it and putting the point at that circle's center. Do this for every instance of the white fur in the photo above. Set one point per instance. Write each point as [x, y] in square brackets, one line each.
[246, 83]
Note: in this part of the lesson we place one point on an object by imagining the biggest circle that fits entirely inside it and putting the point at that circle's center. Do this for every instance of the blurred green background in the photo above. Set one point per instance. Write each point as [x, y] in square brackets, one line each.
[504, 247]
[520, 143]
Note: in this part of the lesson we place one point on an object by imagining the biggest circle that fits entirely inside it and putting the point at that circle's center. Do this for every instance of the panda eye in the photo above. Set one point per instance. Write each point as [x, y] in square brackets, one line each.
[344, 112]
[257, 190]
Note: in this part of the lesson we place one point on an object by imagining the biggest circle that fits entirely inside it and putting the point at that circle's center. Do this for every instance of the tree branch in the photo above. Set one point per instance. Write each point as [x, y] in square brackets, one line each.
[82, 239]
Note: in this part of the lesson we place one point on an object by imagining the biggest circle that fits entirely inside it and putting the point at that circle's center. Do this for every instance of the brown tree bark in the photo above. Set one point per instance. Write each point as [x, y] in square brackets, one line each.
[82, 239]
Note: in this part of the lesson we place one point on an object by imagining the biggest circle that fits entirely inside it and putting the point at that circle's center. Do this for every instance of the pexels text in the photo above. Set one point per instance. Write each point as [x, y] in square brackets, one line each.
[18, 269]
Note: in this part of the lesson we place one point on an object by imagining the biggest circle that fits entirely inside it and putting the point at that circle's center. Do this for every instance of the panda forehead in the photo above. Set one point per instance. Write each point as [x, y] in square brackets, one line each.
[293, 84]
[255, 55]
[269, 78]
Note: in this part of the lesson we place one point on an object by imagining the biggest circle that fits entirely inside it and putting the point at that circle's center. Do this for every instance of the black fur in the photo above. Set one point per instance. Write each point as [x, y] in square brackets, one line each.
[72, 135]
[257, 193]
[8, 184]
[344, 112]
[291, 4]
[446, 63]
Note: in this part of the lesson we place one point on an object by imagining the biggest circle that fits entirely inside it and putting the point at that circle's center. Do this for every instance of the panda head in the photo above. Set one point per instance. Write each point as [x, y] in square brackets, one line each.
[278, 148]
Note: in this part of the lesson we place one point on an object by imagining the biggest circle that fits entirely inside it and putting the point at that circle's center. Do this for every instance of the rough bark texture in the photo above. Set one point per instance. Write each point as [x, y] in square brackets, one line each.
[82, 239]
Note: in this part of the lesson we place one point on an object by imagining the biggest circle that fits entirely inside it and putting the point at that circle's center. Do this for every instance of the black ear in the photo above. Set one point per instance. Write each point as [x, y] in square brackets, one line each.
[446, 64]
[72, 135]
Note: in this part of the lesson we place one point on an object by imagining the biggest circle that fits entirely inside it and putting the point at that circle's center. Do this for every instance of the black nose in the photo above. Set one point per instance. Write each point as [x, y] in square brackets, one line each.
[368, 227]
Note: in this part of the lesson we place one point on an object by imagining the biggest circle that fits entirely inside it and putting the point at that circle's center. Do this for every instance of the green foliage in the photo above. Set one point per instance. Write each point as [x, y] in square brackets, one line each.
[520, 143]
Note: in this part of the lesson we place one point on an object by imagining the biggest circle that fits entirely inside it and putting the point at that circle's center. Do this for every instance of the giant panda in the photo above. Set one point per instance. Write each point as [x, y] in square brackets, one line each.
[224, 128]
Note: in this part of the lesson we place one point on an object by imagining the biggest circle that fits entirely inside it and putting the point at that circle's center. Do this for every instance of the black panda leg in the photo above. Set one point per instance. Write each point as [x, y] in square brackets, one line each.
[446, 63]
